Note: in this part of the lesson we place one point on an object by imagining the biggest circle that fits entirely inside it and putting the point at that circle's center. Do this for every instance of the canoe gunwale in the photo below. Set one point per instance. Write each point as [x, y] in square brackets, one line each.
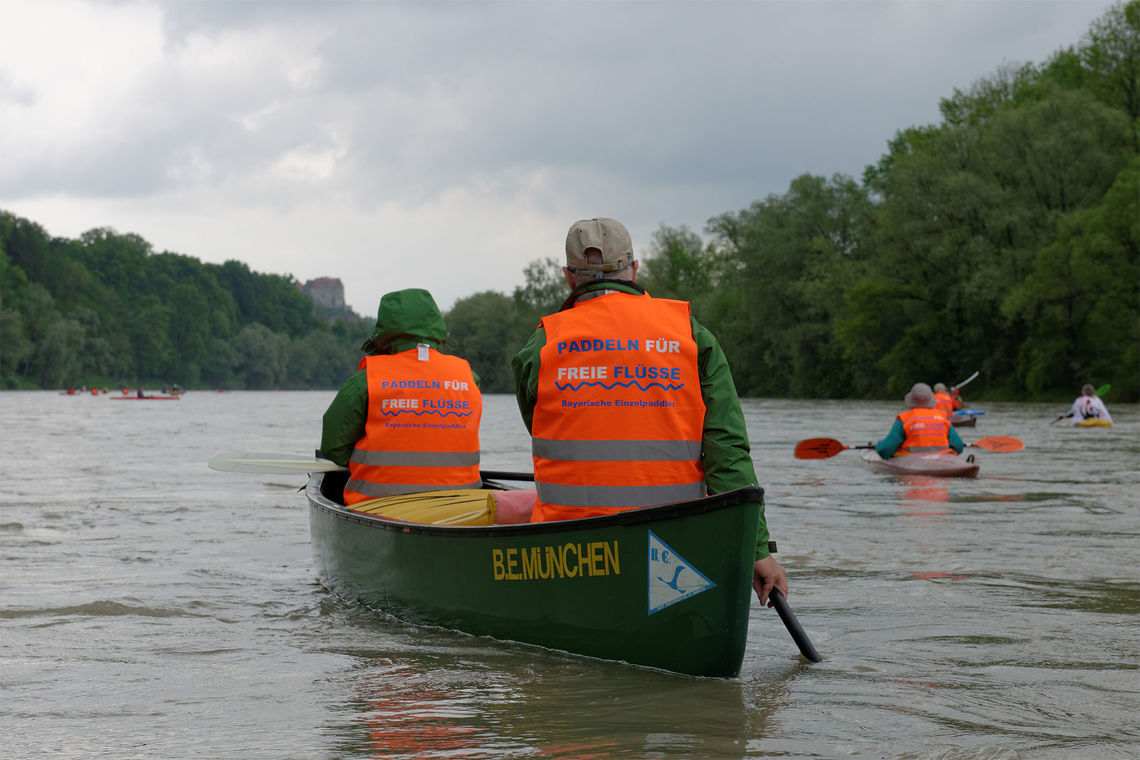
[318, 500]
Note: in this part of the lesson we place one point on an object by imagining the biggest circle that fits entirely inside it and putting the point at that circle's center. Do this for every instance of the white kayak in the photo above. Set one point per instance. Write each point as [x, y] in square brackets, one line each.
[936, 464]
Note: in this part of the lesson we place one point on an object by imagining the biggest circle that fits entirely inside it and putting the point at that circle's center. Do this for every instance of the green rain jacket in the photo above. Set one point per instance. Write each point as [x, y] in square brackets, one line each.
[404, 319]
[726, 454]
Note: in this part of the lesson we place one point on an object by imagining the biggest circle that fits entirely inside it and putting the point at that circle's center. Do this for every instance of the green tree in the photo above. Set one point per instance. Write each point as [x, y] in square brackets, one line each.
[1081, 299]
[543, 291]
[261, 355]
[786, 260]
[963, 210]
[678, 266]
[1111, 53]
[487, 330]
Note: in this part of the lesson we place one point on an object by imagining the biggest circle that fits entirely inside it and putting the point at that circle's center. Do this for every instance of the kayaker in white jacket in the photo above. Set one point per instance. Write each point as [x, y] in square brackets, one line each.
[1088, 406]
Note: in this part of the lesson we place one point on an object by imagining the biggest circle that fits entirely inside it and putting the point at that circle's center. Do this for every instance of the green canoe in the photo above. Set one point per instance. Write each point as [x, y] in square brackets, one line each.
[666, 587]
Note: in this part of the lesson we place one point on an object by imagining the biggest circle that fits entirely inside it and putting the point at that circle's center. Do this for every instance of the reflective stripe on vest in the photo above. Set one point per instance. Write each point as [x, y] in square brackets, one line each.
[927, 430]
[422, 429]
[617, 451]
[619, 414]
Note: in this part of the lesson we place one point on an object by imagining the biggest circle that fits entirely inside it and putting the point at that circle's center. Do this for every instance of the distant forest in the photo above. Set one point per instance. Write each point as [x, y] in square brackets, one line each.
[1005, 239]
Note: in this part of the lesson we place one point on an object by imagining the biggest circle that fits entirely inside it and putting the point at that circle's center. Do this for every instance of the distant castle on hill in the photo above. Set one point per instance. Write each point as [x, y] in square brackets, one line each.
[327, 295]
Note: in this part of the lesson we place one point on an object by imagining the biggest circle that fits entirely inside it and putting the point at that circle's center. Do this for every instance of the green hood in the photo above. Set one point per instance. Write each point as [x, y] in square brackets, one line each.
[406, 316]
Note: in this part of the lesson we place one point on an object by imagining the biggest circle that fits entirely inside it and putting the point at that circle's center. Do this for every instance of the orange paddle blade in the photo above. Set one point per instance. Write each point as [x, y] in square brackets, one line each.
[1000, 443]
[818, 448]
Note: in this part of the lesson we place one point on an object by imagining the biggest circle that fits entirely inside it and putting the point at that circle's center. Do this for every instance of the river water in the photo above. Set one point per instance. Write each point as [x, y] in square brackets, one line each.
[153, 608]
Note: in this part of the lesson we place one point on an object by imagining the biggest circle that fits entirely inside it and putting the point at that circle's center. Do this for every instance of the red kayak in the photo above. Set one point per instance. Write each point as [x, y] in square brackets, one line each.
[937, 465]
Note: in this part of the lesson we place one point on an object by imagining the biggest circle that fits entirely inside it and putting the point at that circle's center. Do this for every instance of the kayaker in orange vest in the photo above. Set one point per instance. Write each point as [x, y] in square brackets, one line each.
[943, 400]
[921, 429]
[629, 400]
[408, 420]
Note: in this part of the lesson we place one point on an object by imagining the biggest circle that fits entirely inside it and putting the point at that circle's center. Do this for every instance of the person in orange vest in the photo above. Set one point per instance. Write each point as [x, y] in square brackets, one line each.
[628, 399]
[921, 429]
[943, 400]
[408, 420]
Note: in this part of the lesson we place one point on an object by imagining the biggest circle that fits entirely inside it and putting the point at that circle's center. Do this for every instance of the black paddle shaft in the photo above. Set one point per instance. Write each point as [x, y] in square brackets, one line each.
[793, 626]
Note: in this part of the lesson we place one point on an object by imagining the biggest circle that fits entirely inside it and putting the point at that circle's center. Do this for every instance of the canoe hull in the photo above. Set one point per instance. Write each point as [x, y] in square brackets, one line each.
[964, 420]
[936, 465]
[1093, 422]
[666, 587]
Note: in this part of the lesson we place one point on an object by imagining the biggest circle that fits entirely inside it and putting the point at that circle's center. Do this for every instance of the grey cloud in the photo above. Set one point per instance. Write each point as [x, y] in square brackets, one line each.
[674, 111]
[12, 91]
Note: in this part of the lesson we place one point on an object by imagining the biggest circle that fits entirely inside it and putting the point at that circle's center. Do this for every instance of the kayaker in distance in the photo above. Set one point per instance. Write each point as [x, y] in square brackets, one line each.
[1087, 406]
[629, 400]
[408, 420]
[923, 428]
[943, 399]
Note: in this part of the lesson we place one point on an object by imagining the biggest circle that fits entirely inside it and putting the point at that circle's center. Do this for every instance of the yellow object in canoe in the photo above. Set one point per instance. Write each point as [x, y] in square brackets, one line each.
[460, 506]
[1093, 422]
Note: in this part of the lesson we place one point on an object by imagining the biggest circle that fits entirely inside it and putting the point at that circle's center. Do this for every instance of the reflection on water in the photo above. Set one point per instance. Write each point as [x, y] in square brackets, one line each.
[439, 694]
[151, 607]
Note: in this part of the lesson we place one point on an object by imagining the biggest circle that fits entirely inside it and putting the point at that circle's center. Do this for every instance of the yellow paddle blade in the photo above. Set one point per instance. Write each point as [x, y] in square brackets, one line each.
[460, 506]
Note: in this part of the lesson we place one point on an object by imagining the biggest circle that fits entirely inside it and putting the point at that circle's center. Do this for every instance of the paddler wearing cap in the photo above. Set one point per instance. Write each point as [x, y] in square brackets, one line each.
[923, 428]
[408, 420]
[628, 399]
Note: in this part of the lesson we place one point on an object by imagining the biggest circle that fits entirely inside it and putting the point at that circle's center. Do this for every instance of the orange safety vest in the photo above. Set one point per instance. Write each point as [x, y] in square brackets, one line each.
[422, 430]
[943, 401]
[927, 430]
[619, 414]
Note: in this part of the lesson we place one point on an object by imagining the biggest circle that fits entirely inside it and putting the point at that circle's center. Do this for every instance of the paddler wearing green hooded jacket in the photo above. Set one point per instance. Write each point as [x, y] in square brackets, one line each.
[408, 420]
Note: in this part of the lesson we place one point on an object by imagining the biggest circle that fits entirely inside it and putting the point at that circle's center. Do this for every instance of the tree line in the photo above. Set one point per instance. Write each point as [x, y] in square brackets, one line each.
[1004, 239]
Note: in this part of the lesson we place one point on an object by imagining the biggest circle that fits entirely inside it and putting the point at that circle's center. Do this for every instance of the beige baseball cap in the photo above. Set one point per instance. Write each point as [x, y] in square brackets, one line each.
[608, 236]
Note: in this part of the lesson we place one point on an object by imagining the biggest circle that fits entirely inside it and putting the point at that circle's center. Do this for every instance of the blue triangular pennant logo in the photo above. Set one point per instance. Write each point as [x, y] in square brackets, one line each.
[671, 578]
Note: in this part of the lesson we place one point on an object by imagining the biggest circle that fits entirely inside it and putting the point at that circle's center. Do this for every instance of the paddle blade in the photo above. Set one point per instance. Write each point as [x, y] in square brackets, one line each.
[1104, 389]
[968, 379]
[1000, 443]
[818, 448]
[246, 461]
[461, 506]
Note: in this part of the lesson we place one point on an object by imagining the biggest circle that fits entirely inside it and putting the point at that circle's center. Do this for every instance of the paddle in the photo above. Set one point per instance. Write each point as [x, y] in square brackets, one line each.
[999, 443]
[822, 448]
[968, 379]
[248, 461]
[825, 448]
[244, 461]
[793, 625]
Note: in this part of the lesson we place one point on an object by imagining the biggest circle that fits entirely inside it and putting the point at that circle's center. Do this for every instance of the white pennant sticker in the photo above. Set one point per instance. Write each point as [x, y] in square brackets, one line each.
[671, 578]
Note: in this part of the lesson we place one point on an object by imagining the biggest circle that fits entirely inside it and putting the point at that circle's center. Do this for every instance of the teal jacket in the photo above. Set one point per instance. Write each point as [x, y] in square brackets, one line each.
[404, 319]
[726, 454]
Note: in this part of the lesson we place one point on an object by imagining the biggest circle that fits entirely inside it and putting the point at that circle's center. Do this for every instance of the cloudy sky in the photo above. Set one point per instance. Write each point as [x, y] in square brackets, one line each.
[447, 144]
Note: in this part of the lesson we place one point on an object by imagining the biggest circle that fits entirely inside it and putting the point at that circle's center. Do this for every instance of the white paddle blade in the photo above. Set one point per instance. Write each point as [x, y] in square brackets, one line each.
[968, 379]
[247, 461]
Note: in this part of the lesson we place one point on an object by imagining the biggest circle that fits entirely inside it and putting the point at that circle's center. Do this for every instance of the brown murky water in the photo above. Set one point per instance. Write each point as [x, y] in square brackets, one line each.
[152, 607]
